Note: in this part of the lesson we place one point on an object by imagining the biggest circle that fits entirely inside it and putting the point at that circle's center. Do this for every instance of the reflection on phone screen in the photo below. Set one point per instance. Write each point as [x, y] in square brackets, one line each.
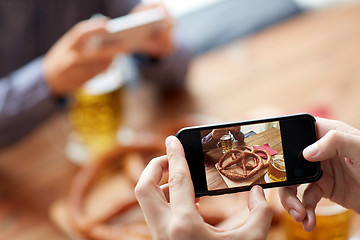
[243, 155]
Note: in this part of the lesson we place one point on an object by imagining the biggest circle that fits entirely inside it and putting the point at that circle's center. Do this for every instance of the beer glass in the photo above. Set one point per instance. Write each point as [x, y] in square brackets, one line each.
[226, 142]
[276, 170]
[96, 113]
[332, 223]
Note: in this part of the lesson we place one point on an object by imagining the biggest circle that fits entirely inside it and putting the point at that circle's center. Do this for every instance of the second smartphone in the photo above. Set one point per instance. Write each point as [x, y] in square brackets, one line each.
[232, 157]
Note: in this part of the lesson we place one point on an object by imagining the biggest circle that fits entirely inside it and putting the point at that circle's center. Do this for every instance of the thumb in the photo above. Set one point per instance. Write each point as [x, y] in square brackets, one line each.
[334, 144]
[181, 190]
[86, 31]
[260, 215]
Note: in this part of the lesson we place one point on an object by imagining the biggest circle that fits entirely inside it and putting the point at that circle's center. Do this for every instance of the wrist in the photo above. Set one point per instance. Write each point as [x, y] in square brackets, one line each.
[59, 99]
[48, 76]
[51, 78]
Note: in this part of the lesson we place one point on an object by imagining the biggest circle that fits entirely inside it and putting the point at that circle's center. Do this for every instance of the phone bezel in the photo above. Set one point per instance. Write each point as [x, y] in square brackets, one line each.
[192, 144]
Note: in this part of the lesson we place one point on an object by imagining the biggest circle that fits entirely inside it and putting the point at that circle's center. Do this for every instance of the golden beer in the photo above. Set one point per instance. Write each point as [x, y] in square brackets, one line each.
[226, 143]
[96, 109]
[96, 118]
[332, 223]
[276, 170]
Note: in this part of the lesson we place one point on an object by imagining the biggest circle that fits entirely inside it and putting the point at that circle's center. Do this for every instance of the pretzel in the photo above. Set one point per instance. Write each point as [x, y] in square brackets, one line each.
[268, 156]
[100, 228]
[248, 165]
[235, 158]
[241, 158]
[244, 148]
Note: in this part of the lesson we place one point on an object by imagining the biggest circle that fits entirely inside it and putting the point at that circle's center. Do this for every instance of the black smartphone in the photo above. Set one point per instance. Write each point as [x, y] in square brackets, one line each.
[232, 157]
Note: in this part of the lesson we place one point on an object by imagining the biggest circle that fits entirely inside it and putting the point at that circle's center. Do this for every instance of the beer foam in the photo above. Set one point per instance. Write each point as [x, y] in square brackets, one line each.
[327, 208]
[107, 81]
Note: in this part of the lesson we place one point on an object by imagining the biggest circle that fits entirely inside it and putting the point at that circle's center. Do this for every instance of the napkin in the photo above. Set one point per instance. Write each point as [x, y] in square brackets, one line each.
[267, 148]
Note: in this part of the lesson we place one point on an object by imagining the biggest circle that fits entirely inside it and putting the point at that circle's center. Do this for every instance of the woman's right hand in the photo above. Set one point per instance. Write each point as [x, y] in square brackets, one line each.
[338, 150]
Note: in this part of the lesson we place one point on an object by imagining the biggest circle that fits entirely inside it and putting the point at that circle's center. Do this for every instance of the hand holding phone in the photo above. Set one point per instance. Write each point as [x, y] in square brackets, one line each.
[170, 209]
[218, 133]
[135, 29]
[270, 154]
[147, 29]
[339, 153]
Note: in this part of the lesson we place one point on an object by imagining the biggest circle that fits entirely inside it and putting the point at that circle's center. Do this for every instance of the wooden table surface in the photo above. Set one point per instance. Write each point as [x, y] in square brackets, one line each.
[308, 63]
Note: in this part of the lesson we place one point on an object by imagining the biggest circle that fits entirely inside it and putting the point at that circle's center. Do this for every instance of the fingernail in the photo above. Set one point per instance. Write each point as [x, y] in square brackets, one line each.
[310, 221]
[258, 189]
[293, 214]
[168, 141]
[311, 150]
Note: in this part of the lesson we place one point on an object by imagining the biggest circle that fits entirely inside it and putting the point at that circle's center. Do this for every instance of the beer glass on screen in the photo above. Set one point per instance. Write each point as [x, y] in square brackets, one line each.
[276, 170]
[96, 114]
[226, 142]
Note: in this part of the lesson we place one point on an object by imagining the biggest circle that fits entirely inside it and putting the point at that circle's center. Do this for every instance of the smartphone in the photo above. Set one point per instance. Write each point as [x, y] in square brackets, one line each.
[135, 29]
[232, 157]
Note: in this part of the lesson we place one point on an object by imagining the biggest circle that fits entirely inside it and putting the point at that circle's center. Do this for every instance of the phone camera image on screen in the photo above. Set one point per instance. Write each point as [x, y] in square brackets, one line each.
[233, 157]
[243, 155]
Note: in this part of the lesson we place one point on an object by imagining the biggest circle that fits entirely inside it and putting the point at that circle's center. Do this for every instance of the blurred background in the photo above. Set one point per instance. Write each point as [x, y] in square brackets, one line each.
[244, 59]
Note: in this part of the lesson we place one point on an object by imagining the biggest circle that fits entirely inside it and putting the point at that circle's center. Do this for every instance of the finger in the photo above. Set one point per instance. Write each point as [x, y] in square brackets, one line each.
[234, 130]
[217, 133]
[104, 49]
[148, 193]
[180, 185]
[97, 66]
[160, 42]
[82, 32]
[354, 167]
[291, 203]
[108, 50]
[234, 221]
[90, 69]
[260, 215]
[165, 189]
[311, 197]
[334, 143]
[324, 125]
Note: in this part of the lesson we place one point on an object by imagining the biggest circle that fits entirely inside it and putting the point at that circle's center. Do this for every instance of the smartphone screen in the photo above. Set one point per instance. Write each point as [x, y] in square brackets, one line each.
[233, 157]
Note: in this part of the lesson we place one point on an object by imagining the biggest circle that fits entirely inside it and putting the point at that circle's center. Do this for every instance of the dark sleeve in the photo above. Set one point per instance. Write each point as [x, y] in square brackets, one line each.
[25, 102]
[208, 142]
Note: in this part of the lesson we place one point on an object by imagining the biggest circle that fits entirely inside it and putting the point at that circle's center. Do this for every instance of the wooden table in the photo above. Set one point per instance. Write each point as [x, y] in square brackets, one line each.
[309, 63]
